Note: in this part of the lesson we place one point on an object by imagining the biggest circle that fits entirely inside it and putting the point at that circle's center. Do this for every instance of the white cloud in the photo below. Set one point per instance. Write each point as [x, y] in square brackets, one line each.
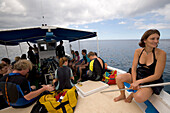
[13, 7]
[122, 22]
[19, 13]
[160, 19]
[164, 12]
[141, 25]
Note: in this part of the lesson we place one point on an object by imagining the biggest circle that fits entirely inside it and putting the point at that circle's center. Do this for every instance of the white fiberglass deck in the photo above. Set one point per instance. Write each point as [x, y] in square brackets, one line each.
[103, 103]
[93, 103]
[17, 110]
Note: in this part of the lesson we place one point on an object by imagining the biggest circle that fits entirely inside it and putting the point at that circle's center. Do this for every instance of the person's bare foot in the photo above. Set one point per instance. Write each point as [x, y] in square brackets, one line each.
[120, 97]
[129, 98]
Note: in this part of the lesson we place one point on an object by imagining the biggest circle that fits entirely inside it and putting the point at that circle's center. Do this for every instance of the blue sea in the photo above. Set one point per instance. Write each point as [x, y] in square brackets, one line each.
[117, 53]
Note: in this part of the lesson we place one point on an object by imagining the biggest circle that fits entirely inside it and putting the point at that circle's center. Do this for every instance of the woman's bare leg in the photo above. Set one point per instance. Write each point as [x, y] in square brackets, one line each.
[129, 98]
[142, 94]
[119, 80]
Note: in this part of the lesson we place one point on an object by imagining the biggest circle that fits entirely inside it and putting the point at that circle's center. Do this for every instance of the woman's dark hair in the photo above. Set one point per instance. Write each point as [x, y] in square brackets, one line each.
[77, 53]
[146, 35]
[23, 56]
[84, 51]
[95, 53]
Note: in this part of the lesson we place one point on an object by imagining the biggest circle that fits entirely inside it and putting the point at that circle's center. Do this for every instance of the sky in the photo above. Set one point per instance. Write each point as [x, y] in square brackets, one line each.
[111, 19]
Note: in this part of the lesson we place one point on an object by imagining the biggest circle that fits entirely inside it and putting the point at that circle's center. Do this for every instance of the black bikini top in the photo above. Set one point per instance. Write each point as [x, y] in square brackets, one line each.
[152, 66]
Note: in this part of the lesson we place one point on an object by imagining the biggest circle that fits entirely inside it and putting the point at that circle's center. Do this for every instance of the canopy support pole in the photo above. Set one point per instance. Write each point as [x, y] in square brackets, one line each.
[98, 54]
[6, 50]
[20, 48]
[79, 46]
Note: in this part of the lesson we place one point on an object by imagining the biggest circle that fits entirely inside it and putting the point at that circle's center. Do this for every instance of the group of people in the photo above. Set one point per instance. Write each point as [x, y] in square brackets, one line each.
[18, 75]
[22, 69]
[147, 67]
[81, 67]
[90, 67]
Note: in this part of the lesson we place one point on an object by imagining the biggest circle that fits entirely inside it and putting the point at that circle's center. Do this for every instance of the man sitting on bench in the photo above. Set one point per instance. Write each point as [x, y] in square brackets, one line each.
[18, 78]
[84, 65]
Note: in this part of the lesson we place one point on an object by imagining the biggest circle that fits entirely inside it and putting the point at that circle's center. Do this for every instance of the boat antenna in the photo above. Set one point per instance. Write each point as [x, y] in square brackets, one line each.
[42, 14]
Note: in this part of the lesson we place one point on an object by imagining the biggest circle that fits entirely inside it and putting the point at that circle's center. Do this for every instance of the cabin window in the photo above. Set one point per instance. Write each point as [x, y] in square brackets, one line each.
[51, 46]
[43, 47]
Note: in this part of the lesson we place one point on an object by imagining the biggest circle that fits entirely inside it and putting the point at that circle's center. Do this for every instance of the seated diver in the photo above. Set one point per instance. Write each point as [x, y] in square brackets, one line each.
[147, 68]
[84, 66]
[96, 68]
[63, 75]
[16, 88]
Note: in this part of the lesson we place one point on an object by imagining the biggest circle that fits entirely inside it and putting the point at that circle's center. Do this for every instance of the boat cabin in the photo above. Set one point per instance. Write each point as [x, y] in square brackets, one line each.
[46, 49]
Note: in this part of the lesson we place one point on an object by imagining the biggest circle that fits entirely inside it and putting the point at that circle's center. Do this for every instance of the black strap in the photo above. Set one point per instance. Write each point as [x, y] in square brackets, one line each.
[140, 55]
[153, 54]
[62, 105]
[6, 91]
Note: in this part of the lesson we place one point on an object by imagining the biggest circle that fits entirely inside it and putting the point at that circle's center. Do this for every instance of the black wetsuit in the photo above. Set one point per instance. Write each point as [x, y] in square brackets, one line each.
[60, 51]
[18, 79]
[63, 76]
[144, 71]
[3, 103]
[98, 71]
[32, 57]
[1, 75]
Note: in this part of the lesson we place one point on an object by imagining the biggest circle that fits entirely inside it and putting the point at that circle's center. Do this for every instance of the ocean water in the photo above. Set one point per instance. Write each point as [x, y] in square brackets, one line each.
[117, 53]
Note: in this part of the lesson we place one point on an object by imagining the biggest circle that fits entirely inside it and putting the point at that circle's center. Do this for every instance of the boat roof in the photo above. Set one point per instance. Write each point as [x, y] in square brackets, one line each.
[15, 36]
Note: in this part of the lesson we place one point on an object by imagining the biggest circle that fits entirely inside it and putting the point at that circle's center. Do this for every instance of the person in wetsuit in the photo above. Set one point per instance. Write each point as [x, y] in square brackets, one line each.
[31, 55]
[63, 75]
[60, 50]
[147, 68]
[96, 67]
[18, 76]
[3, 71]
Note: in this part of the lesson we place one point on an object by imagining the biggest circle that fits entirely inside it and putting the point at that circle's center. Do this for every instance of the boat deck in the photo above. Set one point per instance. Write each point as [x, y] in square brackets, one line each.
[94, 103]
[103, 103]
[17, 110]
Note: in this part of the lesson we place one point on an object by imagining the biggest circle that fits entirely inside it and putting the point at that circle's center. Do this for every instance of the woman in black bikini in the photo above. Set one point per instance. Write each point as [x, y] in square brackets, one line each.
[147, 68]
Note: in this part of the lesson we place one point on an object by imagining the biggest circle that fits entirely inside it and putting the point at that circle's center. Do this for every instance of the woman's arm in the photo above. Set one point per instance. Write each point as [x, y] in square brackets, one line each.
[71, 75]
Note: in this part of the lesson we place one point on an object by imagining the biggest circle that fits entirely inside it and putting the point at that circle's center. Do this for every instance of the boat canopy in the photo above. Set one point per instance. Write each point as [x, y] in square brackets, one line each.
[15, 36]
